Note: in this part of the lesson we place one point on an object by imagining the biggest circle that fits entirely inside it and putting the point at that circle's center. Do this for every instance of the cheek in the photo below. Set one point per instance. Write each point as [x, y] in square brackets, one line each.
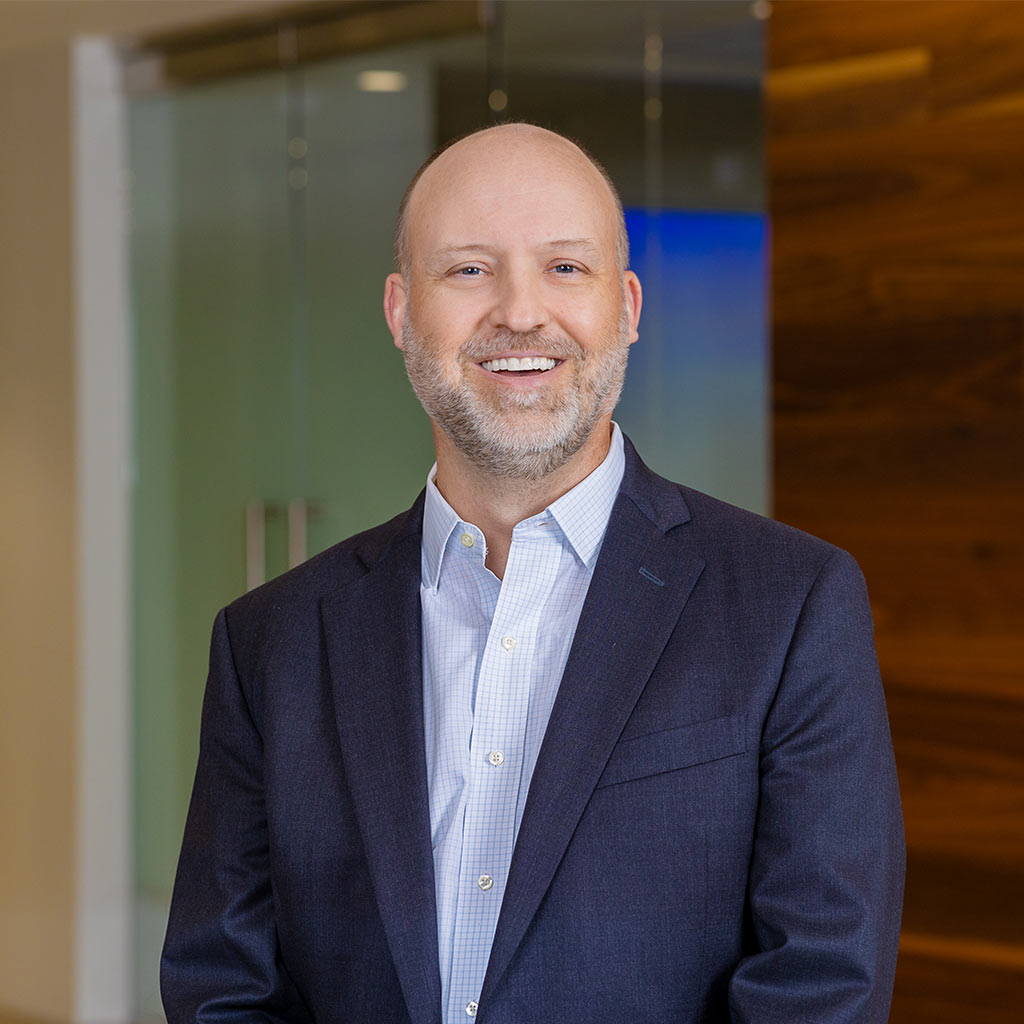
[449, 314]
[592, 324]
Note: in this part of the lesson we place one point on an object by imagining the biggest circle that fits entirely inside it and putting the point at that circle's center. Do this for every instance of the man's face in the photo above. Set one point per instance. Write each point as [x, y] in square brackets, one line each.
[512, 260]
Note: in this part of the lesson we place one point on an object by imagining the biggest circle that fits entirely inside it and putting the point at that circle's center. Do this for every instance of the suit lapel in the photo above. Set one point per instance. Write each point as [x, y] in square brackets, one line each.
[374, 649]
[641, 582]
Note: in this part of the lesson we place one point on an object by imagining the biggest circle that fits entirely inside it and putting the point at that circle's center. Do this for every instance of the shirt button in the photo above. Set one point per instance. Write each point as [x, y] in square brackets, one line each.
[496, 758]
[471, 1007]
[508, 642]
[485, 882]
[467, 540]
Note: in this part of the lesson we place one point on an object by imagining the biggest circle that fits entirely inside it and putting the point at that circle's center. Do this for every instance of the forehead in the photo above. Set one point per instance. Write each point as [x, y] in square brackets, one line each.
[508, 189]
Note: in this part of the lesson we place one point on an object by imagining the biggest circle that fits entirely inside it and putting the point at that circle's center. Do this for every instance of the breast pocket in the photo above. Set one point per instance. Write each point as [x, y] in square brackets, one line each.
[672, 749]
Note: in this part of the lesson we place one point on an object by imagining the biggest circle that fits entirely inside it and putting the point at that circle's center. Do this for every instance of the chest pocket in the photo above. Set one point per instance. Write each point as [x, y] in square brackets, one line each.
[671, 749]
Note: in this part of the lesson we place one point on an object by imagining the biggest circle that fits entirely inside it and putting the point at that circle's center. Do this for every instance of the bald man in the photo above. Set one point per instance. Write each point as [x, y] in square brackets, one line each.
[564, 741]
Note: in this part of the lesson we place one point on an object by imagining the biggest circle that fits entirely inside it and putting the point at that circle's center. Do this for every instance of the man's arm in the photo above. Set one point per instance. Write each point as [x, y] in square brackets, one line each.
[826, 878]
[221, 959]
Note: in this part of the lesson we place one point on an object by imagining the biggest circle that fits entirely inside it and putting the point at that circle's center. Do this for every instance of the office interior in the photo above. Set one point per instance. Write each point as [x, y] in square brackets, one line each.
[825, 201]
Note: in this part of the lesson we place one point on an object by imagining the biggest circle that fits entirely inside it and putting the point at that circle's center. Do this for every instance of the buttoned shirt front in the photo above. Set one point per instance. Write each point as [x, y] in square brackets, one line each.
[493, 656]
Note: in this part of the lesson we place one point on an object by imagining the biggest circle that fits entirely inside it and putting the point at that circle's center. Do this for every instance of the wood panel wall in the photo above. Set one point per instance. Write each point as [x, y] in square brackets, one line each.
[896, 157]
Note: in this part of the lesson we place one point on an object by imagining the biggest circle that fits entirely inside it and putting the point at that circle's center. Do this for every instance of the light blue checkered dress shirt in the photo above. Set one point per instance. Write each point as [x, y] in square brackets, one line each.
[493, 656]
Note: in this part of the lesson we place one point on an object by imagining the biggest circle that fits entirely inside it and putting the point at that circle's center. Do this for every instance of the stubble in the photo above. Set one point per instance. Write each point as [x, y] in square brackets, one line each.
[514, 434]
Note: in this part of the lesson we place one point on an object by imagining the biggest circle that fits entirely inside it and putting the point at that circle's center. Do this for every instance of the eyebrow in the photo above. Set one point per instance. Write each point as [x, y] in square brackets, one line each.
[587, 245]
[458, 250]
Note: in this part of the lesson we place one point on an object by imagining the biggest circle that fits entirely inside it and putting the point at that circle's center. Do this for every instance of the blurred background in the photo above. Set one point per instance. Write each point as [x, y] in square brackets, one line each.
[825, 203]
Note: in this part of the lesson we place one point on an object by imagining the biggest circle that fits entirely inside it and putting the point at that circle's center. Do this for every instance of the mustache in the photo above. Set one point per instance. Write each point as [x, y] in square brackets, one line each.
[558, 346]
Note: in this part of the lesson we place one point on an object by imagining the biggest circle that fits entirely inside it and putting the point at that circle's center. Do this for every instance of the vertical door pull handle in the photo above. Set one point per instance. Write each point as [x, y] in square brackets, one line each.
[298, 532]
[255, 544]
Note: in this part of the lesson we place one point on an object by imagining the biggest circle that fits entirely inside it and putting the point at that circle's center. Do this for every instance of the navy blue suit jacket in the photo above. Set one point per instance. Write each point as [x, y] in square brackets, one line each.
[712, 832]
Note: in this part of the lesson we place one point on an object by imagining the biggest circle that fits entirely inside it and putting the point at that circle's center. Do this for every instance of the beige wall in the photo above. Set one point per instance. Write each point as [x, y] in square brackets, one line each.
[37, 554]
[38, 542]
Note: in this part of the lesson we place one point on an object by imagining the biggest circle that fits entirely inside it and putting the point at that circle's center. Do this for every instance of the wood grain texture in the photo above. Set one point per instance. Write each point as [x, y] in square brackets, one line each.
[896, 161]
[949, 989]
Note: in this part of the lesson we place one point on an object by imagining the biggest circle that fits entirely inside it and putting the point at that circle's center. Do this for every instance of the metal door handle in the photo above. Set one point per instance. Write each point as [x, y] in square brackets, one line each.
[257, 512]
[255, 544]
[298, 532]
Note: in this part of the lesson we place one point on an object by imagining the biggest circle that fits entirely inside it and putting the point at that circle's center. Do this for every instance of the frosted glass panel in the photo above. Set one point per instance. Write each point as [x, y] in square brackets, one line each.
[263, 210]
[210, 284]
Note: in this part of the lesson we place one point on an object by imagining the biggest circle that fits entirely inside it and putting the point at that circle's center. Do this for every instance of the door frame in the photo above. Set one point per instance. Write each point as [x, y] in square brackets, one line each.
[103, 985]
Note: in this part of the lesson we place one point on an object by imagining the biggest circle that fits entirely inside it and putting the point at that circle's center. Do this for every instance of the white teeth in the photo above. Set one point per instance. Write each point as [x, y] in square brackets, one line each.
[526, 363]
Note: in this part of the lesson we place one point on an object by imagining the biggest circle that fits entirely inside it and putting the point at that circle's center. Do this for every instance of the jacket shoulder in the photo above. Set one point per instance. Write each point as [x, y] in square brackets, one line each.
[767, 555]
[742, 532]
[724, 534]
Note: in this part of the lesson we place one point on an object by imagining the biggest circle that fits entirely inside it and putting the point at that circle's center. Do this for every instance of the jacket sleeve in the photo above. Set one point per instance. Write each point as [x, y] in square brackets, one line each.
[826, 878]
[221, 959]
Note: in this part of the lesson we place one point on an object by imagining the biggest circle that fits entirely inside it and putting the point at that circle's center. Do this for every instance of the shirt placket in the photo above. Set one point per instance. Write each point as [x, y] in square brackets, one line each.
[502, 705]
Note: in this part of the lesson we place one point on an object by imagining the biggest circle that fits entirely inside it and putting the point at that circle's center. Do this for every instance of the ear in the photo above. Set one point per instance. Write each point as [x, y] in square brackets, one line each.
[634, 297]
[396, 297]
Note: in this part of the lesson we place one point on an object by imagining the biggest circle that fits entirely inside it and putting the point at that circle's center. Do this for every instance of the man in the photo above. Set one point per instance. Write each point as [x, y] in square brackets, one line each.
[563, 742]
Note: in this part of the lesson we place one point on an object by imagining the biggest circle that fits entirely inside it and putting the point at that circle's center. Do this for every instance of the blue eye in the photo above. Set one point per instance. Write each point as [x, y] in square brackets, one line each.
[469, 271]
[563, 268]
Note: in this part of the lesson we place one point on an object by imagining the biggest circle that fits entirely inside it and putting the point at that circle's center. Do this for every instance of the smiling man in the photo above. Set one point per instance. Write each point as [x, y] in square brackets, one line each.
[515, 334]
[564, 741]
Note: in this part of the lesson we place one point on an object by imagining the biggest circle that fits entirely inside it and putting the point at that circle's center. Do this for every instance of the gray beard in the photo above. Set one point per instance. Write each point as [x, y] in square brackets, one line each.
[487, 432]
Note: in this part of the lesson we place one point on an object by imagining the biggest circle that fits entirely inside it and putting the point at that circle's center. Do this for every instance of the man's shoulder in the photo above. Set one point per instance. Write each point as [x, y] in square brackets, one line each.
[731, 528]
[723, 533]
[759, 569]
[749, 561]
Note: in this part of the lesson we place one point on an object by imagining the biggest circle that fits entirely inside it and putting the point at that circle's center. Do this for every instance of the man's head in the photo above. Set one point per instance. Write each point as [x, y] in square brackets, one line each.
[511, 246]
[401, 238]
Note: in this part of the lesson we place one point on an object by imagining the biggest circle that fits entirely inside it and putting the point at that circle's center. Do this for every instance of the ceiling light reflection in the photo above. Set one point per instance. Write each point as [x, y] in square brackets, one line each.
[381, 81]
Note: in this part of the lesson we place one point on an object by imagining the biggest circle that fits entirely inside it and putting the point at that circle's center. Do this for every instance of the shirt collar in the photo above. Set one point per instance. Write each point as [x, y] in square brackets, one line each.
[439, 519]
[581, 514]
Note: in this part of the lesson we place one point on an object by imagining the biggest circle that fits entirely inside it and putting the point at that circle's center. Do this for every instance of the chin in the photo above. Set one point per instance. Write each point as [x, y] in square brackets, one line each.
[522, 446]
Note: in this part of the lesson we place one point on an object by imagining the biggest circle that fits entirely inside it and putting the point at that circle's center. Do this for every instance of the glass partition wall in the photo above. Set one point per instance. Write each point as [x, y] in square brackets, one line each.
[272, 415]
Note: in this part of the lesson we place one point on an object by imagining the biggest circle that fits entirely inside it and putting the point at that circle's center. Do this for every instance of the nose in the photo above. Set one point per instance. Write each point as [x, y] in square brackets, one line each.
[519, 302]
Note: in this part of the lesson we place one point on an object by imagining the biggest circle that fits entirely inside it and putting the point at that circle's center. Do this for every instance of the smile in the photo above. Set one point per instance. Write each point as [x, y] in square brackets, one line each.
[516, 365]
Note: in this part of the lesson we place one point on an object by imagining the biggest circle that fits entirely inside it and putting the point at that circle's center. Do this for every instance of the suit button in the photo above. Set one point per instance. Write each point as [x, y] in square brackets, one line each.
[485, 882]
[472, 1007]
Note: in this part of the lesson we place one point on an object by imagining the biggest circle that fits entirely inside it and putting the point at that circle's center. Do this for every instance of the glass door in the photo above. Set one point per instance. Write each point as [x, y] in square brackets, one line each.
[210, 263]
[272, 413]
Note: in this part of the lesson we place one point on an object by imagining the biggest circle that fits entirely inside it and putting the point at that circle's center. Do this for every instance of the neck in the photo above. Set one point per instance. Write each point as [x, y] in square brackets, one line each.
[497, 504]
